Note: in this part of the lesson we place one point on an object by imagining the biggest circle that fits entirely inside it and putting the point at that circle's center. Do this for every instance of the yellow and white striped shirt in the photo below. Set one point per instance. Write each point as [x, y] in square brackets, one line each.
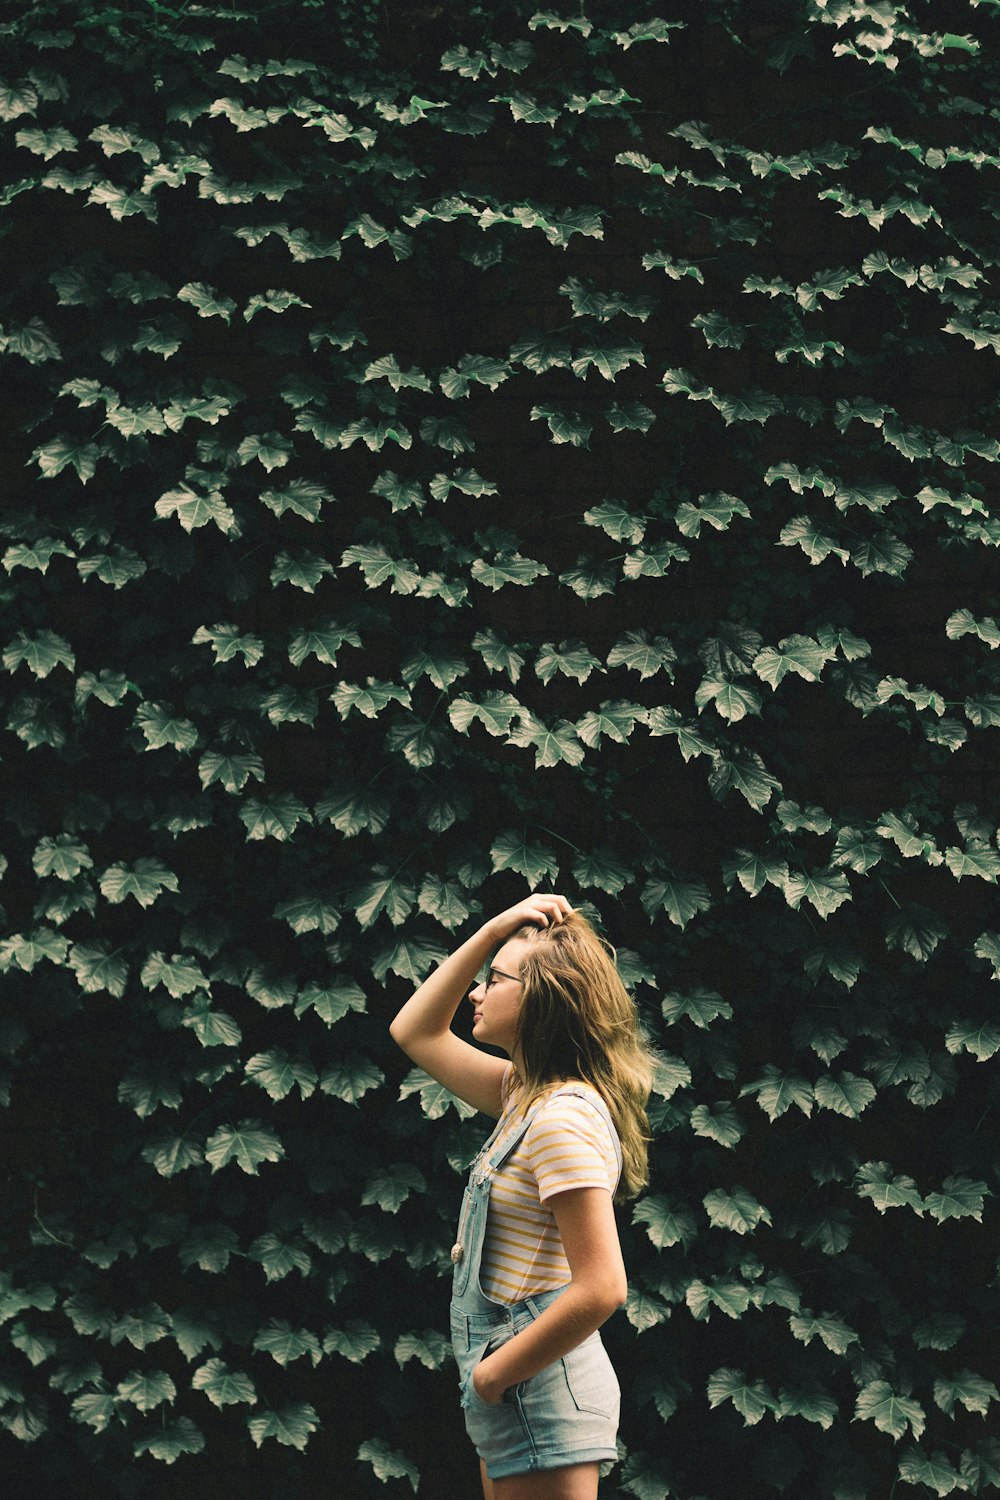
[567, 1145]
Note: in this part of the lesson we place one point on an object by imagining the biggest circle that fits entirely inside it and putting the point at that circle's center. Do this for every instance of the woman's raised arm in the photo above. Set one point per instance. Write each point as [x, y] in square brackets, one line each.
[423, 1026]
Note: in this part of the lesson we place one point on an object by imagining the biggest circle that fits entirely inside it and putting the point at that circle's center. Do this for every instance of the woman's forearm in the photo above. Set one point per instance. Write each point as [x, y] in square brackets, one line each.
[431, 1009]
[560, 1327]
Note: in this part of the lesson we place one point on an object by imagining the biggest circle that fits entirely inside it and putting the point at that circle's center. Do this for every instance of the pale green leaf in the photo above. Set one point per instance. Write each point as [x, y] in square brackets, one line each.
[248, 1145]
[169, 1441]
[736, 1210]
[291, 1425]
[222, 1386]
[752, 1399]
[890, 1411]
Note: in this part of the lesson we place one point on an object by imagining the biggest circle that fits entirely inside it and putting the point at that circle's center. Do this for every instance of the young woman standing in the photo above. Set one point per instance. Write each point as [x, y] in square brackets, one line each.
[538, 1265]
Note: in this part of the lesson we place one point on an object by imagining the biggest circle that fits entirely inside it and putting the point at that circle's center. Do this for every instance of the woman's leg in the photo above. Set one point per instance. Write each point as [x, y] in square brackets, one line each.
[488, 1491]
[574, 1482]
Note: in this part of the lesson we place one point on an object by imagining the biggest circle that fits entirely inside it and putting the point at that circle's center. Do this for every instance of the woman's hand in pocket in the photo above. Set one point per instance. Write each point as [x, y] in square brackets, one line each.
[487, 1391]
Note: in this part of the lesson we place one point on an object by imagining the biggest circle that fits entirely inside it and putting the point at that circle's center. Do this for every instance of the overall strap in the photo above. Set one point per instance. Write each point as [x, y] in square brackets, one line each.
[500, 1153]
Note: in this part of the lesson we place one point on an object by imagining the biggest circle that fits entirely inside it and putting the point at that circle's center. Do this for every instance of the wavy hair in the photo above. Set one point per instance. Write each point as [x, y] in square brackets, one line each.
[577, 1020]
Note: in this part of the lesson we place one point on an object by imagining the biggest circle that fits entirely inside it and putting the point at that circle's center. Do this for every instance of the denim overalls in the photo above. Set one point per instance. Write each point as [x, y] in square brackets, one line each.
[568, 1412]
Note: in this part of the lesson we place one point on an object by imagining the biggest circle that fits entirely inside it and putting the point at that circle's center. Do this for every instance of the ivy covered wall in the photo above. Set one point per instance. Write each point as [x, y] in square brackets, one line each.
[450, 453]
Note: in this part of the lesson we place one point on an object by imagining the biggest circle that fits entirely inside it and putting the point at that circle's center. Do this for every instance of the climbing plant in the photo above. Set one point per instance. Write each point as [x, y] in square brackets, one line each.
[451, 453]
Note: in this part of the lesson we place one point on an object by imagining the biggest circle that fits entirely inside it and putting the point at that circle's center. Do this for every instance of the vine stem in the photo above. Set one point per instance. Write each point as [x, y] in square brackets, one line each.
[552, 834]
[44, 1228]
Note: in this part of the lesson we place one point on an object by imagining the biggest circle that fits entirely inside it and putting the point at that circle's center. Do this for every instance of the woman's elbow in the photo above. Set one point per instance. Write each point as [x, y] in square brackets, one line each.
[607, 1295]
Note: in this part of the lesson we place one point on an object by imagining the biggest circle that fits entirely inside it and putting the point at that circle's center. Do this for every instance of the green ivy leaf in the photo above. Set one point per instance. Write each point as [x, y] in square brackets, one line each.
[62, 857]
[825, 890]
[35, 555]
[30, 950]
[303, 570]
[291, 1425]
[303, 497]
[966, 1388]
[355, 1341]
[278, 817]
[278, 1074]
[434, 1098]
[146, 1389]
[653, 30]
[796, 653]
[681, 900]
[62, 453]
[431, 1348]
[206, 300]
[750, 1398]
[445, 900]
[231, 771]
[737, 1210]
[389, 1187]
[729, 1296]
[40, 653]
[210, 1247]
[721, 1123]
[827, 1327]
[98, 967]
[565, 426]
[603, 869]
[754, 870]
[777, 1092]
[535, 862]
[227, 642]
[279, 1257]
[222, 1386]
[194, 511]
[507, 567]
[668, 1222]
[248, 1145]
[742, 771]
[891, 1412]
[700, 1006]
[875, 1181]
[847, 1094]
[393, 894]
[168, 1442]
[351, 1079]
[803, 531]
[144, 880]
[161, 727]
[959, 1198]
[409, 957]
[388, 1463]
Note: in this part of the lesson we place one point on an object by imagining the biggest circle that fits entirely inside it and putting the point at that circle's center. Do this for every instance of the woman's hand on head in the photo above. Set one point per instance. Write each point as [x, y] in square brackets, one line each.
[540, 910]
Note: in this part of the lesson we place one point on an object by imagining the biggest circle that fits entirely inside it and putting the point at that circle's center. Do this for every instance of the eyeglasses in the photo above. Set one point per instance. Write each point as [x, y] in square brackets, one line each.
[492, 974]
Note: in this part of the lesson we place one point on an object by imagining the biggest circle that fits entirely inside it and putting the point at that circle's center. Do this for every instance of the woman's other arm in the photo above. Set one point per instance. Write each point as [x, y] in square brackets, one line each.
[586, 1221]
[423, 1026]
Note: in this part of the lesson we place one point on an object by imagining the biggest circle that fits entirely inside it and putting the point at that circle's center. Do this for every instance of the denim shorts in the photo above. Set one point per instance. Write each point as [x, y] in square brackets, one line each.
[566, 1414]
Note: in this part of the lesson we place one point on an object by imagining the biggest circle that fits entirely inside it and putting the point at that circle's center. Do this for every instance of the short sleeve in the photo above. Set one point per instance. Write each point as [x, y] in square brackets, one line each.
[568, 1145]
[507, 1085]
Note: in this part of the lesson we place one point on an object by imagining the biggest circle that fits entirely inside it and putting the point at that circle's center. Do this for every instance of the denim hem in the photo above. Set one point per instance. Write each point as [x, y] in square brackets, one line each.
[506, 1467]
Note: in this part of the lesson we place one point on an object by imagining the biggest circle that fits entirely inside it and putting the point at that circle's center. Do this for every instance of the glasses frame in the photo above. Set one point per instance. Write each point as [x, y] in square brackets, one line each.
[500, 975]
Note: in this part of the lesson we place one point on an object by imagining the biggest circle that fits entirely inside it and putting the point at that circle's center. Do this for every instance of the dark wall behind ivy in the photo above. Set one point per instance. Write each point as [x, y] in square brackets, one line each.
[454, 451]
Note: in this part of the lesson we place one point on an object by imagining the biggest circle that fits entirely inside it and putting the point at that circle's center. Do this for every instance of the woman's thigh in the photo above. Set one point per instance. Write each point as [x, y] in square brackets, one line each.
[574, 1482]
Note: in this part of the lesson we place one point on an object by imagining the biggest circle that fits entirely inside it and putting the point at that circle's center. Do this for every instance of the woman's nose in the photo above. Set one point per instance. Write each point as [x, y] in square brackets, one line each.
[471, 996]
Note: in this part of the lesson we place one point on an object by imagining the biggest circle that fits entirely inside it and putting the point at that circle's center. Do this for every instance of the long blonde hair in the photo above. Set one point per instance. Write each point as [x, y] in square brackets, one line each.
[577, 1020]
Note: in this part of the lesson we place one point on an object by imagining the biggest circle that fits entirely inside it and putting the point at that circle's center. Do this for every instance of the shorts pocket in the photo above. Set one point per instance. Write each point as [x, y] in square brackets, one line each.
[591, 1379]
[470, 1397]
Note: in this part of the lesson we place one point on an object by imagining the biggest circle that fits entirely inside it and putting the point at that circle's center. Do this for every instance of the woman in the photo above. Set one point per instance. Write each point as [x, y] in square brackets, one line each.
[538, 1265]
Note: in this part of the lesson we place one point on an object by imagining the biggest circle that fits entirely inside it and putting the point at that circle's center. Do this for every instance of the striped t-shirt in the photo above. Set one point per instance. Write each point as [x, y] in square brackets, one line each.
[568, 1144]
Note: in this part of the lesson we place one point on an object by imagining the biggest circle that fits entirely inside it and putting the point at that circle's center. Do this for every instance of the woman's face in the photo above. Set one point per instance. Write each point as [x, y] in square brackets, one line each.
[497, 999]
